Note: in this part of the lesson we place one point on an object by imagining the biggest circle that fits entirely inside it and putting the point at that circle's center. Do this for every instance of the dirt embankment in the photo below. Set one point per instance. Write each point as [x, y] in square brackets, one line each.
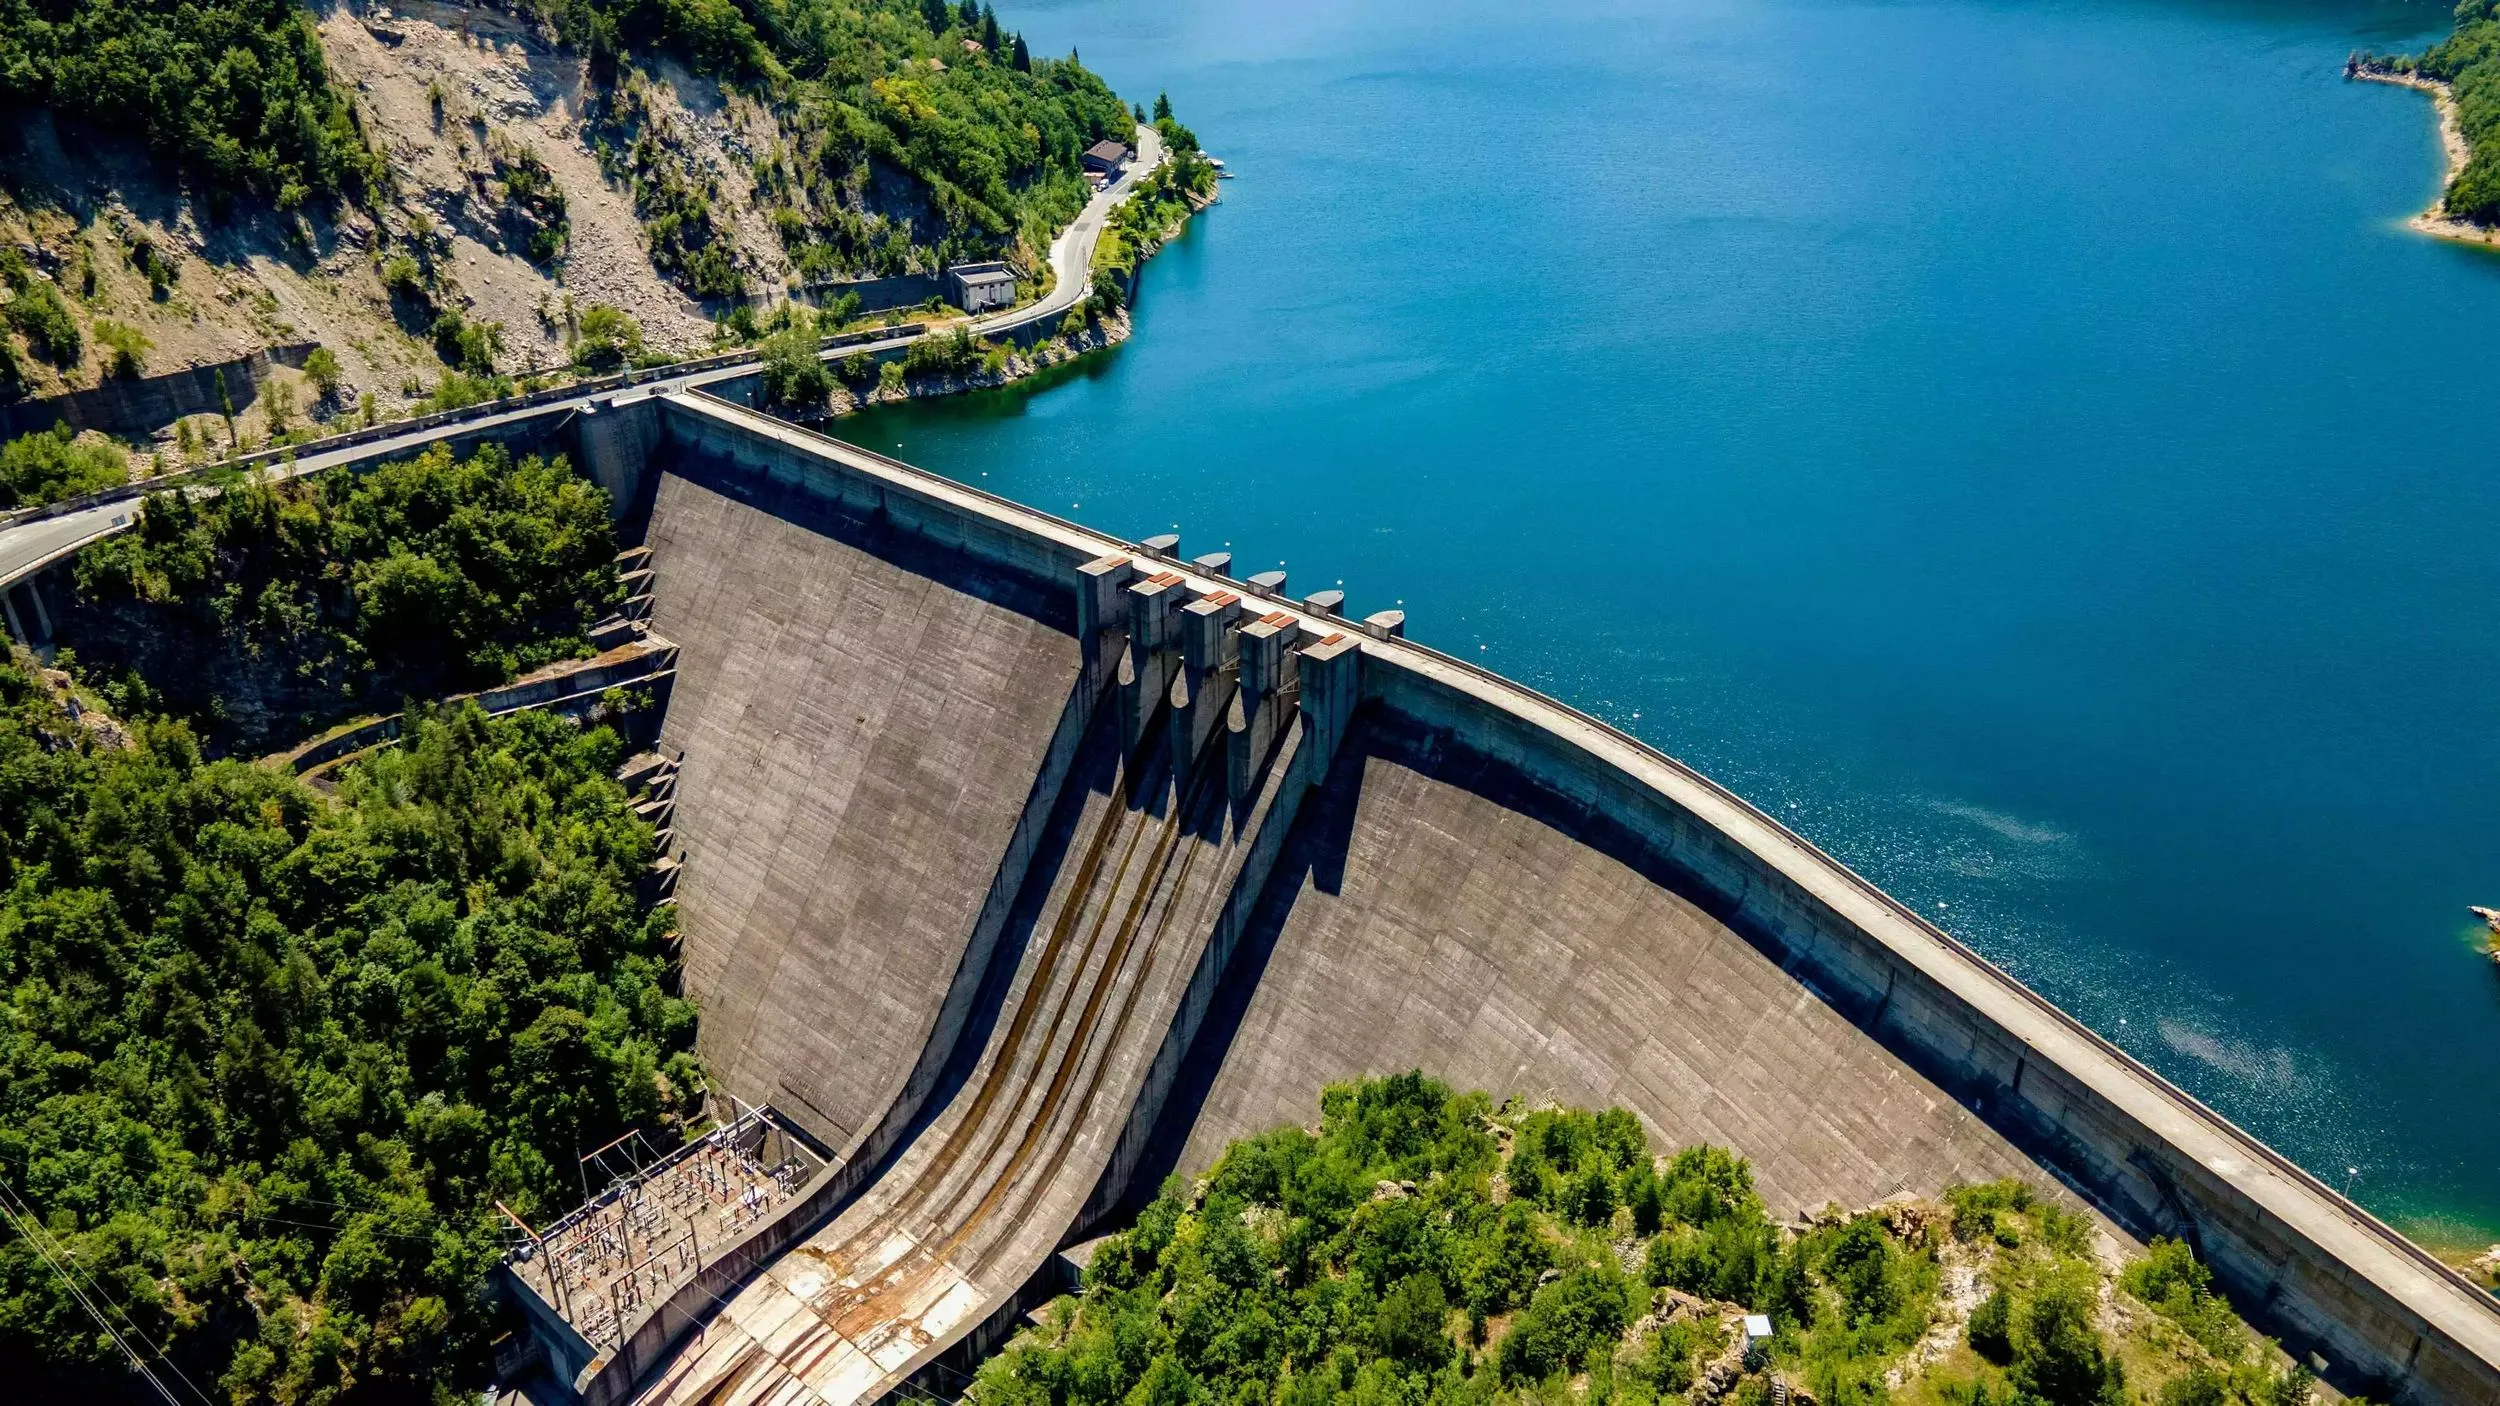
[446, 84]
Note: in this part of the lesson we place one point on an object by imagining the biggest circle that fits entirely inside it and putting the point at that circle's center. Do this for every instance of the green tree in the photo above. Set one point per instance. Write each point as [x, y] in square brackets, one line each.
[609, 339]
[795, 378]
[465, 346]
[322, 368]
[2171, 1281]
[2058, 1357]
[1991, 1328]
[41, 314]
[1413, 1321]
[130, 348]
[49, 465]
[1586, 1308]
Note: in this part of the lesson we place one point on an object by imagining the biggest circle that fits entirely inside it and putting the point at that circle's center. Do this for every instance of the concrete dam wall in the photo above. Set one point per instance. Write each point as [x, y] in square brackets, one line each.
[1023, 865]
[870, 717]
[1436, 910]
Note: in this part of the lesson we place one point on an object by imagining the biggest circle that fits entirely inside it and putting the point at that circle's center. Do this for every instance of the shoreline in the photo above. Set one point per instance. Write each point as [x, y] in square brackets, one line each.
[1108, 331]
[2434, 221]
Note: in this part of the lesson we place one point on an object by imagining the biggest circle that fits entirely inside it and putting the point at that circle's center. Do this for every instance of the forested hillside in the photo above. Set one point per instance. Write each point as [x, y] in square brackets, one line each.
[268, 611]
[269, 1056]
[1428, 1248]
[267, 1059]
[234, 94]
[443, 188]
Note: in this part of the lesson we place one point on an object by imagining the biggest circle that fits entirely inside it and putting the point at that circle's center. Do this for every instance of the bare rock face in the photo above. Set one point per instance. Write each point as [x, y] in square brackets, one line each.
[100, 727]
[519, 194]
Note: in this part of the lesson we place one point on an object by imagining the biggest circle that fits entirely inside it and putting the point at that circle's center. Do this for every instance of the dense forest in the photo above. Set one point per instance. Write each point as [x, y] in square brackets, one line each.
[267, 1058]
[262, 612]
[1429, 1247]
[233, 93]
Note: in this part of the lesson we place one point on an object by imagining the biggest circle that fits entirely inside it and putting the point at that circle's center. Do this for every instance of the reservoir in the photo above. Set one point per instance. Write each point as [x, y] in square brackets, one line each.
[2016, 444]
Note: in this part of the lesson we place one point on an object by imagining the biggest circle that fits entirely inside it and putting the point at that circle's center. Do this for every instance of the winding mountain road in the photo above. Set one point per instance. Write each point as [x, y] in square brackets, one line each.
[31, 544]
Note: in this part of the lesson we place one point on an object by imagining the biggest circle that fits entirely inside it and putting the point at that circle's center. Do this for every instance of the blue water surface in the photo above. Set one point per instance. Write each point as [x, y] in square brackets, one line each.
[2018, 444]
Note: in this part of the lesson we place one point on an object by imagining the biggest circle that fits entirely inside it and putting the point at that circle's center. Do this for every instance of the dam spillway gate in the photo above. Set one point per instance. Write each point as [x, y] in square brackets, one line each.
[1022, 866]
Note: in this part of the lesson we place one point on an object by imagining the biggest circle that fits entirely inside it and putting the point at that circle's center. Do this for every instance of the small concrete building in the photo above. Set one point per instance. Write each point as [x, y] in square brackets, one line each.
[980, 287]
[1105, 159]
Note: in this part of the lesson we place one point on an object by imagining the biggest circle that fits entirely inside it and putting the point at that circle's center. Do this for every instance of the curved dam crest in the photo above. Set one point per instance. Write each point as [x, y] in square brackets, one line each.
[1022, 866]
[1416, 863]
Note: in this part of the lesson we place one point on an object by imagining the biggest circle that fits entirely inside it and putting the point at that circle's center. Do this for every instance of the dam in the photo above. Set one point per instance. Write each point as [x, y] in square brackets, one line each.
[1019, 867]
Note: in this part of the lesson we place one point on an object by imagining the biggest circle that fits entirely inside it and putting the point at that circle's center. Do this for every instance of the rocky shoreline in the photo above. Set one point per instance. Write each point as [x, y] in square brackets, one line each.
[2435, 221]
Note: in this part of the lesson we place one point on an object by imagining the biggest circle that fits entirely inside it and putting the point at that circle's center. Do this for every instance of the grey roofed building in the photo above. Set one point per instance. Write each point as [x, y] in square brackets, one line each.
[981, 287]
[1105, 157]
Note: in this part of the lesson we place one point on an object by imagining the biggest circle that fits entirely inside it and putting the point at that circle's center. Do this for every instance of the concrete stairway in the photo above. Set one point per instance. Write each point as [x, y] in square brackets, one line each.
[938, 1249]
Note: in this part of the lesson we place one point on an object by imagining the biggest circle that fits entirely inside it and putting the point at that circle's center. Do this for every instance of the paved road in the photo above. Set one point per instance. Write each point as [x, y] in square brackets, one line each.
[28, 547]
[1072, 253]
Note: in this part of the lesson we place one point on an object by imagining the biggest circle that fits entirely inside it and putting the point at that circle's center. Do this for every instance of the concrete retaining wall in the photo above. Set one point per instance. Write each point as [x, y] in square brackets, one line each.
[631, 664]
[901, 290]
[145, 404]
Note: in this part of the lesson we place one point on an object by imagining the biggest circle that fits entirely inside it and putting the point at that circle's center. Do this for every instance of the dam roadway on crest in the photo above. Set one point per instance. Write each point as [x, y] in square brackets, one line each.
[1021, 866]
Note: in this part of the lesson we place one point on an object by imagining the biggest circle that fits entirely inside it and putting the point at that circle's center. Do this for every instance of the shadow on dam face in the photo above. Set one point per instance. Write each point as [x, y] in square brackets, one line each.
[918, 728]
[930, 737]
[865, 714]
[1436, 908]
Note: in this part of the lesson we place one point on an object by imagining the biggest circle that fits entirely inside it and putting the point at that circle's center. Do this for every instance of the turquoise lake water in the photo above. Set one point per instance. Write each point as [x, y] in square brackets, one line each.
[2017, 444]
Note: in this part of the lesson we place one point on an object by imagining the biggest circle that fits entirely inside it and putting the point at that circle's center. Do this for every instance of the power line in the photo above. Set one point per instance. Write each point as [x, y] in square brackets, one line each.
[68, 1281]
[28, 1210]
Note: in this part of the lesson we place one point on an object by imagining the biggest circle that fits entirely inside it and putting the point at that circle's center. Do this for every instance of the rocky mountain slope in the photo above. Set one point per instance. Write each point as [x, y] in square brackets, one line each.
[672, 160]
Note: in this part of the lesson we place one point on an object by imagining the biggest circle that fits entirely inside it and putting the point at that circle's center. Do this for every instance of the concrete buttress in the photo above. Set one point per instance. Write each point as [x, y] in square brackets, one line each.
[1203, 693]
[1264, 699]
[615, 438]
[1153, 650]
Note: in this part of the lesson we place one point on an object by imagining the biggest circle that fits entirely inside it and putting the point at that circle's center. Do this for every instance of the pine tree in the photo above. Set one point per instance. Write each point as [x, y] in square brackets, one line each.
[1163, 107]
[1023, 57]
